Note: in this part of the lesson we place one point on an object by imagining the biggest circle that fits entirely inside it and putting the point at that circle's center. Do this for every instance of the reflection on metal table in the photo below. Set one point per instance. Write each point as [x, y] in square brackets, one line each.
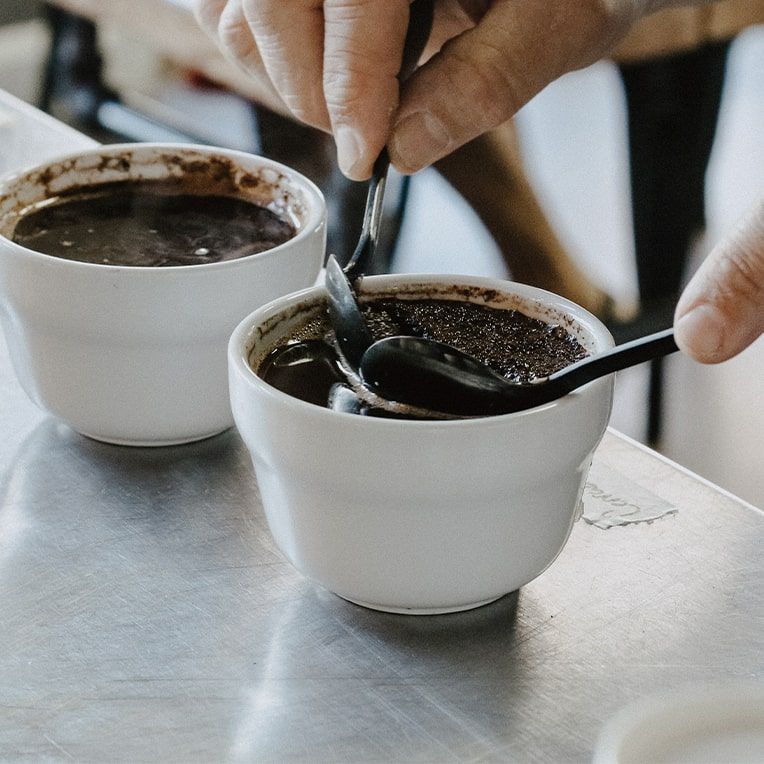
[146, 614]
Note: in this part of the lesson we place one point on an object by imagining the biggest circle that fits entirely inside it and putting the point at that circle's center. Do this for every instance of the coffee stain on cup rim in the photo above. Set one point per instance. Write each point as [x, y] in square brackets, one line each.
[193, 170]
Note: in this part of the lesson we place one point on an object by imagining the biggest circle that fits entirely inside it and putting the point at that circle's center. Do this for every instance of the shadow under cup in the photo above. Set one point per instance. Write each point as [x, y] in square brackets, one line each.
[418, 516]
[137, 355]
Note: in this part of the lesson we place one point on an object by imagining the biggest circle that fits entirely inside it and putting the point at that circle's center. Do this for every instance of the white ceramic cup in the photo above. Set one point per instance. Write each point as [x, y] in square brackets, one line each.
[698, 724]
[137, 355]
[418, 516]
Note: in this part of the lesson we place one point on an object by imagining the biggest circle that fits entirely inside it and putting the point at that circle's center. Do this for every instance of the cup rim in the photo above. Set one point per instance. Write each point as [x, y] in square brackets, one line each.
[238, 361]
[314, 201]
[685, 710]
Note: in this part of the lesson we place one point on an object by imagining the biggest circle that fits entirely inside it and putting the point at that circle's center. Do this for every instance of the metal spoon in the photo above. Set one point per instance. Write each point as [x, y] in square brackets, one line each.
[353, 336]
[437, 377]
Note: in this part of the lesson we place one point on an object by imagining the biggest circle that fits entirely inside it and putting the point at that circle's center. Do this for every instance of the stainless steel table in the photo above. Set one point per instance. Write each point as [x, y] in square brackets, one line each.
[146, 615]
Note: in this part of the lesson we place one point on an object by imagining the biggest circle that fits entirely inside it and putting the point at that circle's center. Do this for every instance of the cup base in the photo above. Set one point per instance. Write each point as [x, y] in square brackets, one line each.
[422, 610]
[153, 443]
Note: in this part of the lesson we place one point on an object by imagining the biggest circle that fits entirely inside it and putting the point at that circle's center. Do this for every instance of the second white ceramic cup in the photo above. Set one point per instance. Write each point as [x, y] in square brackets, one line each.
[137, 355]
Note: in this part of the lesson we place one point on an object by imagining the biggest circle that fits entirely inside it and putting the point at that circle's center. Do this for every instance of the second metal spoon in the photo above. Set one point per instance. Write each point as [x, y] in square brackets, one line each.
[437, 377]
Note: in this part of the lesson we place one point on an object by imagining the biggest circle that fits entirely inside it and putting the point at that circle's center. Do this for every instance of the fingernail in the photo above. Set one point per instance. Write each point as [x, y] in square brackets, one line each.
[701, 333]
[418, 140]
[348, 151]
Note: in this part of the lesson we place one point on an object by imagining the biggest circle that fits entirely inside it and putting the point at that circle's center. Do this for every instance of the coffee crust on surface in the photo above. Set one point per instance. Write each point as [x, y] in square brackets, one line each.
[304, 361]
[515, 345]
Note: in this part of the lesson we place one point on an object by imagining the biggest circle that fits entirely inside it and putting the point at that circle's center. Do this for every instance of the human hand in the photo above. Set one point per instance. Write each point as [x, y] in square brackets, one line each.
[225, 23]
[334, 63]
[485, 73]
[721, 311]
[331, 63]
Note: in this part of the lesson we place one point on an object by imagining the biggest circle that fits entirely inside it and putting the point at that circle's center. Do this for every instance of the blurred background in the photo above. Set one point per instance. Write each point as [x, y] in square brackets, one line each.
[610, 187]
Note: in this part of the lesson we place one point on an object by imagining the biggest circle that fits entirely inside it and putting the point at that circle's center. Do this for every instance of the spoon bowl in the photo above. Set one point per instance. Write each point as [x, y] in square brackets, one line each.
[437, 377]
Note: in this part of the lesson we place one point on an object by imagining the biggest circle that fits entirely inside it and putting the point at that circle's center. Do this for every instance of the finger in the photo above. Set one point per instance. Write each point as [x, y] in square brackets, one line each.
[238, 45]
[207, 14]
[450, 18]
[483, 76]
[290, 37]
[721, 312]
[363, 45]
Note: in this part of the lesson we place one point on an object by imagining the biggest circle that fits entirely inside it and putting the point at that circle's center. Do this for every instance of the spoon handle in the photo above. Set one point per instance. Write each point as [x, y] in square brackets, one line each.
[417, 34]
[620, 357]
[372, 216]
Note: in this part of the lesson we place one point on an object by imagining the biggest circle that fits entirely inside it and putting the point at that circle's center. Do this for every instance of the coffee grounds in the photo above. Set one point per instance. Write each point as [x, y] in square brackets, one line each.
[516, 346]
[307, 365]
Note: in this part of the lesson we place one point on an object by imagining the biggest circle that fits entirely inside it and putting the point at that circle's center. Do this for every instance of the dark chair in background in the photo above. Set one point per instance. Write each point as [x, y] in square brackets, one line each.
[672, 65]
[673, 105]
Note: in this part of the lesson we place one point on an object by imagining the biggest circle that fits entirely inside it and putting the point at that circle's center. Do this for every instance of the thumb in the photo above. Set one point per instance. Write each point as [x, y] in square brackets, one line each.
[484, 74]
[721, 312]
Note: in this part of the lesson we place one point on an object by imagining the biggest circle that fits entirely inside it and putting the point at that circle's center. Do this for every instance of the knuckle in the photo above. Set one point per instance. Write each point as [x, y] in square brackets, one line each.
[742, 271]
[204, 14]
[233, 30]
[599, 19]
[261, 12]
[302, 111]
[345, 11]
[343, 102]
[483, 79]
[348, 87]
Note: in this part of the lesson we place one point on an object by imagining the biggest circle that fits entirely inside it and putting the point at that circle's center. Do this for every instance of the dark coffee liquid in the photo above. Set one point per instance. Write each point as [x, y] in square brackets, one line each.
[146, 224]
[516, 346]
